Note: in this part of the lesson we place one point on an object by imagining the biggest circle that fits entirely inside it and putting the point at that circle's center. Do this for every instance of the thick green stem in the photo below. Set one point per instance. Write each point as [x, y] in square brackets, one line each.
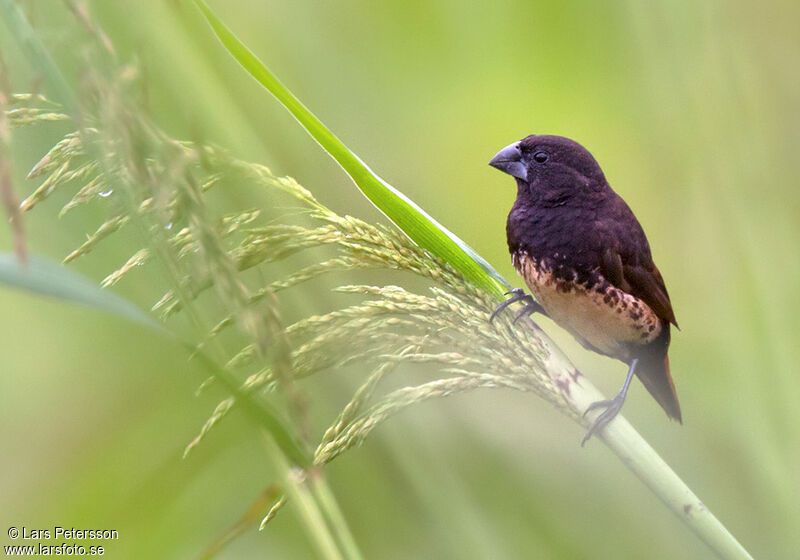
[334, 514]
[314, 503]
[636, 454]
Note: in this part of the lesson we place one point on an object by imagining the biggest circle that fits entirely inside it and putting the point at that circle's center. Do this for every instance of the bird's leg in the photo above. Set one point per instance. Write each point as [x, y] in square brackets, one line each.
[518, 294]
[612, 406]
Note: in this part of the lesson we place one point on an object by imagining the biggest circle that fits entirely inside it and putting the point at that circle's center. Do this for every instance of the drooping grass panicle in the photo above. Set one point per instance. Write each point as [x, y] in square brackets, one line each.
[448, 323]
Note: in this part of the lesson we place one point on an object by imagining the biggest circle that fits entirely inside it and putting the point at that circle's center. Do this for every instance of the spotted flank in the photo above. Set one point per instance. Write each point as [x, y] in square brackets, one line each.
[601, 317]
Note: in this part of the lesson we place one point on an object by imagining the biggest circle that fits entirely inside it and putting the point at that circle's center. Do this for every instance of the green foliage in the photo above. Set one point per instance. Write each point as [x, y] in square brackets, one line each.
[426, 93]
[48, 279]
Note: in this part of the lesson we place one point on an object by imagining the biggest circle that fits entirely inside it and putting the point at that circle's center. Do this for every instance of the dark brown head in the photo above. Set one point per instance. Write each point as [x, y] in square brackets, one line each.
[551, 168]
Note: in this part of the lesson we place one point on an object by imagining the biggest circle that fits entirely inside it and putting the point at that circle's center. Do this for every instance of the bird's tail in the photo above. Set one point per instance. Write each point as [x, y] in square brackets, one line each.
[653, 371]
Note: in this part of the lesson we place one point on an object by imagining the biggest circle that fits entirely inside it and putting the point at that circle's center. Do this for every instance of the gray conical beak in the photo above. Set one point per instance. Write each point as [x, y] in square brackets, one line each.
[509, 160]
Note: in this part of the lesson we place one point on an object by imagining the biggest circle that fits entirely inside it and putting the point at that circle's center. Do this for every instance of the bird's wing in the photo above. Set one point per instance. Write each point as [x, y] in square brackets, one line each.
[626, 262]
[625, 259]
[634, 272]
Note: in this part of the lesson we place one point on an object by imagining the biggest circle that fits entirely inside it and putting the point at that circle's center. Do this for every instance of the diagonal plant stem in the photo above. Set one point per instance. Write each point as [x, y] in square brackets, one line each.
[641, 459]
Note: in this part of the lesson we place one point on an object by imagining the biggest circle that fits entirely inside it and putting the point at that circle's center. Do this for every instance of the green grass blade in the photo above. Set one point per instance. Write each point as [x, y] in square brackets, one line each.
[410, 218]
[46, 278]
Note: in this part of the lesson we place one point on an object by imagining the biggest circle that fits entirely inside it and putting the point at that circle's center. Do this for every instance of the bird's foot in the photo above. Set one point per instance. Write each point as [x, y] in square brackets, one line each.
[518, 294]
[612, 408]
[530, 308]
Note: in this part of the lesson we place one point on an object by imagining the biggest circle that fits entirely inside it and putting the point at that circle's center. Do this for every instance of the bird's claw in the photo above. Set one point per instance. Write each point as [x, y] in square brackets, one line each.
[612, 408]
[530, 308]
[518, 294]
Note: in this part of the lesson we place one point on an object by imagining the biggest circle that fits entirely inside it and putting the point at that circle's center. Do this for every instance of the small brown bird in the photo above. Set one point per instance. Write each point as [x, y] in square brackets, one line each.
[586, 260]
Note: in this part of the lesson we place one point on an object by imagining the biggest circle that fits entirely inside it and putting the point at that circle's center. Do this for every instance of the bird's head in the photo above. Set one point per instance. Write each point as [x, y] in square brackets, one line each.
[550, 166]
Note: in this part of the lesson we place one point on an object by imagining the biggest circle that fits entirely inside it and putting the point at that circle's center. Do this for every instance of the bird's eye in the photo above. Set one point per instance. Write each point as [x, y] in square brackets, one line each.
[540, 157]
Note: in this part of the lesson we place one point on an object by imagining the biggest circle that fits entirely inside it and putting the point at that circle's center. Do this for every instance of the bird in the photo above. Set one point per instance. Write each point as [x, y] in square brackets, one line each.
[587, 262]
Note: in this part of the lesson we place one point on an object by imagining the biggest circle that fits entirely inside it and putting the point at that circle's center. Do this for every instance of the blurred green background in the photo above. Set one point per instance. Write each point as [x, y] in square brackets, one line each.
[693, 111]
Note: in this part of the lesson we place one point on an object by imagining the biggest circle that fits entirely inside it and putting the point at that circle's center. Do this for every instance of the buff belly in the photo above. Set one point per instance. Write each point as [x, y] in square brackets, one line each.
[601, 317]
